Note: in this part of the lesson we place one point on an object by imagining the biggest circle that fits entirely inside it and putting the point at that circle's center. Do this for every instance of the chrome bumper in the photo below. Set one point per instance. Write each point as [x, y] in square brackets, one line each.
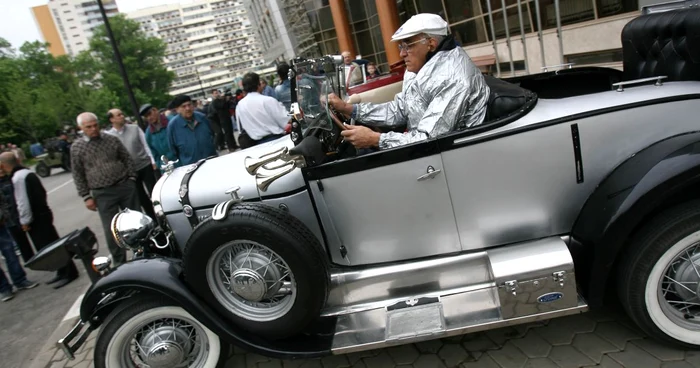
[65, 342]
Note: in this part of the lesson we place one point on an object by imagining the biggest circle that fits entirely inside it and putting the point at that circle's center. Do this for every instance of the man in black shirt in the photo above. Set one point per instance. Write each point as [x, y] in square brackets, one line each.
[35, 216]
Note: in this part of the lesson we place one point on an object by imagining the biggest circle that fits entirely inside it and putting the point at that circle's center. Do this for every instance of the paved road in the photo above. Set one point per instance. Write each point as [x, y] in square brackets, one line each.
[28, 319]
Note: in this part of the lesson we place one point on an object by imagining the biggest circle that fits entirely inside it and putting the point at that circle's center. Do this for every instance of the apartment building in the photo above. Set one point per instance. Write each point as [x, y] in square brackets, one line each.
[210, 43]
[67, 24]
[283, 29]
[503, 37]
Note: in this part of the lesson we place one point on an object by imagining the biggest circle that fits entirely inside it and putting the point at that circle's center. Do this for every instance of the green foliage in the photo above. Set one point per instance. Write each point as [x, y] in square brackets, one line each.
[142, 57]
[40, 93]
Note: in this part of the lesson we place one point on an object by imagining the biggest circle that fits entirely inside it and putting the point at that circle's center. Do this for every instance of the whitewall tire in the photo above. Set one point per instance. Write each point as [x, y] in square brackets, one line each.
[155, 333]
[659, 281]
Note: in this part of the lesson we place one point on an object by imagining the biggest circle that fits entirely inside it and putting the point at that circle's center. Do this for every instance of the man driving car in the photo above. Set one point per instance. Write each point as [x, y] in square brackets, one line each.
[442, 90]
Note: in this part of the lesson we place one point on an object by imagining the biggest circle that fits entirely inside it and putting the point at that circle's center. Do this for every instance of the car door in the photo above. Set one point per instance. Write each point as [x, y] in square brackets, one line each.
[386, 206]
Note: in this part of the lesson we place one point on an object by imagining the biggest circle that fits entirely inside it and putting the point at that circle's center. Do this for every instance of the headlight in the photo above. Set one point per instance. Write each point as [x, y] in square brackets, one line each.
[130, 227]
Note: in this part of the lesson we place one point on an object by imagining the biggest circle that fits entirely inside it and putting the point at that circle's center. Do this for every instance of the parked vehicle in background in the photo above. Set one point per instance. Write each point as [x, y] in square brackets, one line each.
[53, 158]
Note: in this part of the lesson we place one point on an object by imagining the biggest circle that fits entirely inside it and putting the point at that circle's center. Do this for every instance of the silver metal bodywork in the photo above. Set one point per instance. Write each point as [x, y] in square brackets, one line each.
[471, 238]
[506, 190]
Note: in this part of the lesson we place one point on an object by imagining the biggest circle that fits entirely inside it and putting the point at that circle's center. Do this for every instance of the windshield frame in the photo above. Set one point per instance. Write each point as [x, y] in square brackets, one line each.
[323, 70]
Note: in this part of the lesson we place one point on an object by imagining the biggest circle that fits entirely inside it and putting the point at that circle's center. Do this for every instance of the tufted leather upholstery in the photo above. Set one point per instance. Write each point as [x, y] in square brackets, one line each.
[504, 98]
[666, 43]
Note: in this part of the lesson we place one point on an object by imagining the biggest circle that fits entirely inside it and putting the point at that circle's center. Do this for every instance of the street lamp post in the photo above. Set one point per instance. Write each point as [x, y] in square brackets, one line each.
[118, 59]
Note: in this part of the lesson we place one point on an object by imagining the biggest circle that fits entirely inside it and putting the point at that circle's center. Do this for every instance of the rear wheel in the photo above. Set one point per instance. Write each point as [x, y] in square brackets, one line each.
[151, 332]
[659, 283]
[261, 268]
[42, 169]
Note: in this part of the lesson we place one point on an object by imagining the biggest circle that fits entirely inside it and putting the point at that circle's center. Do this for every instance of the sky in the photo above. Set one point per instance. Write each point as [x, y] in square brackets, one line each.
[18, 24]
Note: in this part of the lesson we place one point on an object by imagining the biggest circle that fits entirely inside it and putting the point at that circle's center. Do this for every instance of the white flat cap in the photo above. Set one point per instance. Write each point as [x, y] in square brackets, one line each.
[421, 23]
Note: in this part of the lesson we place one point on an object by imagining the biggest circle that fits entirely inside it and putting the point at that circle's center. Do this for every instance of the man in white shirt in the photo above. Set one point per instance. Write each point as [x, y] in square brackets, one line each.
[134, 140]
[263, 118]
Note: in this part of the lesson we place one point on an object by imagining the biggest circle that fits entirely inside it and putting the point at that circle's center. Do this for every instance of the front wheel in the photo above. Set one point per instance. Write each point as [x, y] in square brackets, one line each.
[152, 332]
[659, 283]
[42, 169]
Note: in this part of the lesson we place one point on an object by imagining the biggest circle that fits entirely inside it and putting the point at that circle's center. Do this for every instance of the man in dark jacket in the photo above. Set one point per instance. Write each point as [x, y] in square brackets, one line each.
[35, 216]
[7, 191]
[220, 118]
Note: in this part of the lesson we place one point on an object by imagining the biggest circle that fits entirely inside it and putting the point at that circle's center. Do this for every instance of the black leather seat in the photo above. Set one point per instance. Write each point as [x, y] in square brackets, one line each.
[505, 98]
[666, 43]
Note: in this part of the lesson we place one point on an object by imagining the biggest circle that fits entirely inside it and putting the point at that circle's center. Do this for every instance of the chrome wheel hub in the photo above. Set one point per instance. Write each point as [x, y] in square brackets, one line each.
[165, 346]
[251, 281]
[249, 284]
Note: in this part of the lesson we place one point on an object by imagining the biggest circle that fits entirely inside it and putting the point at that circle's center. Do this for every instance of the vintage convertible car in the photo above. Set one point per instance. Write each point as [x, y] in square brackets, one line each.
[581, 183]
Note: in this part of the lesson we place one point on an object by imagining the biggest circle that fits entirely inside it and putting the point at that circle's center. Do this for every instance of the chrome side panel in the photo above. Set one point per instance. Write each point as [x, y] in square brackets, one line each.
[527, 272]
[523, 186]
[387, 215]
[378, 287]
[441, 306]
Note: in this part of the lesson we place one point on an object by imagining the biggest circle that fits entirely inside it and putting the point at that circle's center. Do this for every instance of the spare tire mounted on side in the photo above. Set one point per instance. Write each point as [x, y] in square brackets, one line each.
[261, 268]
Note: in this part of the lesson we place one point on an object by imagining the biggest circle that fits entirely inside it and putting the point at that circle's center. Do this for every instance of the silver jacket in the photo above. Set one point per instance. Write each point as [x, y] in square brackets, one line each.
[448, 93]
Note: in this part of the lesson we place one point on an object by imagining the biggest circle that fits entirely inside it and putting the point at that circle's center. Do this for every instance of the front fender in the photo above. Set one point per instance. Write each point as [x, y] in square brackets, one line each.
[162, 276]
[628, 196]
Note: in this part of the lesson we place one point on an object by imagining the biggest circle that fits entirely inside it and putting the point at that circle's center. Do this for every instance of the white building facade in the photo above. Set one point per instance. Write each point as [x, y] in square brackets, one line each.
[209, 43]
[283, 29]
[75, 20]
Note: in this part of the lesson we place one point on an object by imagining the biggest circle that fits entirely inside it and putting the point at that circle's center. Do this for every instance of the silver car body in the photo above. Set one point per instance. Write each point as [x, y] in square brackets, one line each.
[506, 185]
[481, 227]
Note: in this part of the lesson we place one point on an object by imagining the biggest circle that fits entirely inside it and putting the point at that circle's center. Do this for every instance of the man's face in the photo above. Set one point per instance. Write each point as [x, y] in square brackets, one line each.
[91, 129]
[414, 51]
[215, 94]
[346, 58]
[152, 116]
[186, 110]
[117, 117]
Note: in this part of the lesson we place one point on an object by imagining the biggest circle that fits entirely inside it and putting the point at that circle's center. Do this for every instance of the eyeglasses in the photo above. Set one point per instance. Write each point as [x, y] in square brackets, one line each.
[405, 46]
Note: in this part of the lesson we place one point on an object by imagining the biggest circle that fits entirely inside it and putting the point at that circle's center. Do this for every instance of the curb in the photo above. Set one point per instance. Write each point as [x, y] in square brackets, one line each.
[49, 349]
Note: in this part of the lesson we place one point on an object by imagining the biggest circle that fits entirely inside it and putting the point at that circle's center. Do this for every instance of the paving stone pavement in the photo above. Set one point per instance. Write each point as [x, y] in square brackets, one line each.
[594, 339]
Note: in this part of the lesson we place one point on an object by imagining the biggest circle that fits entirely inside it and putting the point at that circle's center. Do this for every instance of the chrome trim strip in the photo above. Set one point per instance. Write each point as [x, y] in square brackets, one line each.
[376, 287]
[658, 79]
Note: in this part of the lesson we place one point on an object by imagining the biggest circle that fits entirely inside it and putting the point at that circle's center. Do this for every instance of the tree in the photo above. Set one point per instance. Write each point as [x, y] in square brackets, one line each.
[142, 58]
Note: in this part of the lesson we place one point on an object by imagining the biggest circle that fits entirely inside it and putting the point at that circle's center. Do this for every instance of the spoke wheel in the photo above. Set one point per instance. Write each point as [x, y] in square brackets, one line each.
[260, 268]
[149, 334]
[659, 281]
[251, 280]
[673, 288]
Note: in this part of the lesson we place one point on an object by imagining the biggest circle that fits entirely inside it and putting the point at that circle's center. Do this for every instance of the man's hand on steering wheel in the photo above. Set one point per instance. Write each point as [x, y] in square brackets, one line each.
[339, 105]
[360, 136]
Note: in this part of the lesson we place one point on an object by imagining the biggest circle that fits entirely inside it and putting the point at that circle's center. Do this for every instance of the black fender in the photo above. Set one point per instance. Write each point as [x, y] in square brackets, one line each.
[162, 276]
[661, 175]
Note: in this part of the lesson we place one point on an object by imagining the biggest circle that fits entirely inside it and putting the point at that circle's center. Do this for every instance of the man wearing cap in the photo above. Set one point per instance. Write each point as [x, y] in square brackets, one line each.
[190, 136]
[442, 90]
[156, 134]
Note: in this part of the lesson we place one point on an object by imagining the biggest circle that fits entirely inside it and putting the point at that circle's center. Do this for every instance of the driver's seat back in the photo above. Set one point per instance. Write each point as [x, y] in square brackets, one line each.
[504, 98]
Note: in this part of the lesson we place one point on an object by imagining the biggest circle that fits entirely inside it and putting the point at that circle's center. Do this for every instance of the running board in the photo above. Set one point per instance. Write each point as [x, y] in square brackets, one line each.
[428, 320]
[512, 284]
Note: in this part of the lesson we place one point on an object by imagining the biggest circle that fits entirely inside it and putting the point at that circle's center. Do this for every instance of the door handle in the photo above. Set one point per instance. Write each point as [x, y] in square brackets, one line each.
[430, 174]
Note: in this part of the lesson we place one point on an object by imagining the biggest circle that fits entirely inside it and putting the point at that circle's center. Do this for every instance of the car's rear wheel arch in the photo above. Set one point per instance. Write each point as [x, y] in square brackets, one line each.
[657, 177]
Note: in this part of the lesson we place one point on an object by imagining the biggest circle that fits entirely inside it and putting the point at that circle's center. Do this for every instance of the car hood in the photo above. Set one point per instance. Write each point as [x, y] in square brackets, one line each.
[207, 186]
